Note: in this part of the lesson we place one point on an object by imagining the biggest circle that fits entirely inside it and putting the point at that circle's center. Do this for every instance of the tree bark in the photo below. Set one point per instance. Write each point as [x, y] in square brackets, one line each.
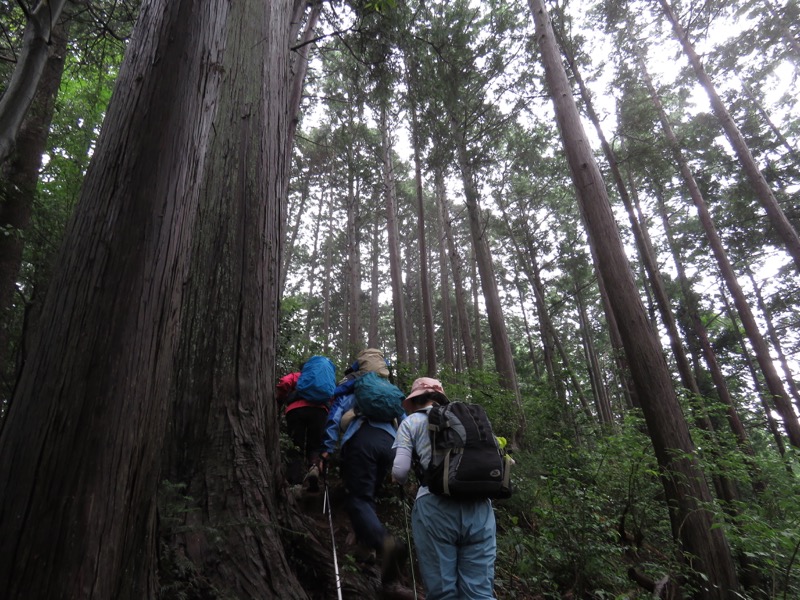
[24, 82]
[199, 124]
[684, 483]
[20, 175]
[754, 175]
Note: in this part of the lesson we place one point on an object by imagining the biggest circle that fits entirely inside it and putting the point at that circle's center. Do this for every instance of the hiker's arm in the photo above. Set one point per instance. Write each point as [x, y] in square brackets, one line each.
[402, 464]
[331, 436]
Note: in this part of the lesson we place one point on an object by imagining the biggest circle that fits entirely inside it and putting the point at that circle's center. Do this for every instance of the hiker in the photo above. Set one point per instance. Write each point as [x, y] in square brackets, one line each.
[366, 442]
[306, 394]
[456, 539]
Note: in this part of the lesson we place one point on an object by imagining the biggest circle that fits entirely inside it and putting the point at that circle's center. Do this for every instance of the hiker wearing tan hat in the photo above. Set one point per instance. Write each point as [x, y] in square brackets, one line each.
[364, 440]
[456, 540]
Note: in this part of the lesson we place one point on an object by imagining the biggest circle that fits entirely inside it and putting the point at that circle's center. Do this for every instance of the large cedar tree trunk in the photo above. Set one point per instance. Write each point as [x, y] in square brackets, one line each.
[684, 484]
[169, 267]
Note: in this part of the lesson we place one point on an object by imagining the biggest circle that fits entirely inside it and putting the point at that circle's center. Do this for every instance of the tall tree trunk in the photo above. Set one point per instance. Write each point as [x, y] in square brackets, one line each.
[774, 338]
[19, 177]
[326, 284]
[642, 239]
[684, 483]
[772, 424]
[773, 381]
[19, 93]
[425, 291]
[501, 346]
[601, 401]
[291, 239]
[476, 311]
[374, 304]
[458, 282]
[699, 329]
[353, 313]
[82, 446]
[447, 322]
[395, 267]
[300, 67]
[312, 269]
[754, 175]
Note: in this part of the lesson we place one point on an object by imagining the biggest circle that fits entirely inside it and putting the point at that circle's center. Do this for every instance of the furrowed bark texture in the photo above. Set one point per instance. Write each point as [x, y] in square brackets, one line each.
[170, 265]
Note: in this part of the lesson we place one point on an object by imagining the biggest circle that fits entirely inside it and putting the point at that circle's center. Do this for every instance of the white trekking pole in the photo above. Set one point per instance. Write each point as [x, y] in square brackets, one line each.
[326, 507]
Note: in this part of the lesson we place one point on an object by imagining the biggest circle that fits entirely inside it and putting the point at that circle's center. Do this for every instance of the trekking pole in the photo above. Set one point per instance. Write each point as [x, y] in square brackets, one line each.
[326, 507]
[408, 541]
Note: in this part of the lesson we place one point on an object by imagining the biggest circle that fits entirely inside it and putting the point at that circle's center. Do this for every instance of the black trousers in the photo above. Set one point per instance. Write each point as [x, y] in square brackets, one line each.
[305, 426]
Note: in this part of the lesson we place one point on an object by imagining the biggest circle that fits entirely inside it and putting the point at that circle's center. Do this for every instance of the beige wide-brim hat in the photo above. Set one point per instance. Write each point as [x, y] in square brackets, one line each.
[427, 385]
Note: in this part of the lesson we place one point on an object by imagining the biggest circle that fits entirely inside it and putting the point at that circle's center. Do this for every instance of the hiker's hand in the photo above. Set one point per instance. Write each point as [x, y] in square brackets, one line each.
[323, 462]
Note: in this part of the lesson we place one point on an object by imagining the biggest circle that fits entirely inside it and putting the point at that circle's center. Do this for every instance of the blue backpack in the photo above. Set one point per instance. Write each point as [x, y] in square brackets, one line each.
[317, 380]
[378, 399]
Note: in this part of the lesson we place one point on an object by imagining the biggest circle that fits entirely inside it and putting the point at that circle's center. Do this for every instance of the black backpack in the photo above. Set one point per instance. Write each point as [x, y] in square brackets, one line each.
[466, 459]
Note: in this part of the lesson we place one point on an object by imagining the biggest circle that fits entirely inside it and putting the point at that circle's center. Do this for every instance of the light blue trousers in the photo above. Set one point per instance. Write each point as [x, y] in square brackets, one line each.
[456, 546]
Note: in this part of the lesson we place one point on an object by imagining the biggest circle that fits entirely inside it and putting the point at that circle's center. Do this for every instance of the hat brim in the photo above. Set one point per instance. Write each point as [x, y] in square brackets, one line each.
[437, 397]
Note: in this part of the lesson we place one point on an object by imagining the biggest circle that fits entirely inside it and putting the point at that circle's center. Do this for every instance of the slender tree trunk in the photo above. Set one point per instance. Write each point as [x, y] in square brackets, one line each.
[447, 322]
[756, 178]
[395, 267]
[312, 269]
[699, 329]
[374, 304]
[684, 483]
[19, 93]
[772, 424]
[18, 180]
[476, 311]
[501, 346]
[300, 67]
[425, 292]
[458, 284]
[775, 339]
[526, 324]
[291, 239]
[601, 401]
[773, 381]
[353, 312]
[326, 284]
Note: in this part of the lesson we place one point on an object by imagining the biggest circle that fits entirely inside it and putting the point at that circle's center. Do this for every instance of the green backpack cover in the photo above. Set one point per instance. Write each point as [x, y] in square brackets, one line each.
[378, 399]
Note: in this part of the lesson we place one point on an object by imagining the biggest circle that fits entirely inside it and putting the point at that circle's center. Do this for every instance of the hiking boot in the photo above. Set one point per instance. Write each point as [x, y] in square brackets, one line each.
[311, 480]
[393, 558]
[296, 491]
[364, 554]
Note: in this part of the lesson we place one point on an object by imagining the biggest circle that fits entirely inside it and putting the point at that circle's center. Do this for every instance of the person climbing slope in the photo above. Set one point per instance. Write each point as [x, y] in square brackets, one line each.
[455, 539]
[307, 395]
[362, 423]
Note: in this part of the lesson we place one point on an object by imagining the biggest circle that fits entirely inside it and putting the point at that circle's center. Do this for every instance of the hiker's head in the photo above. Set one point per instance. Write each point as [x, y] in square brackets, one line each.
[371, 359]
[424, 391]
